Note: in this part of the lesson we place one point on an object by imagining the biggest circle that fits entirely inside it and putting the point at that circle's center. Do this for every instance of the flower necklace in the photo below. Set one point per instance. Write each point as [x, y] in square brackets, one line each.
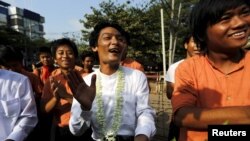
[110, 135]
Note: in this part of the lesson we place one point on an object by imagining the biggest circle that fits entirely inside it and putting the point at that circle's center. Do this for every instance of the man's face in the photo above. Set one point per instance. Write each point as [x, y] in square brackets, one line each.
[88, 62]
[110, 46]
[232, 30]
[46, 59]
[191, 47]
[65, 57]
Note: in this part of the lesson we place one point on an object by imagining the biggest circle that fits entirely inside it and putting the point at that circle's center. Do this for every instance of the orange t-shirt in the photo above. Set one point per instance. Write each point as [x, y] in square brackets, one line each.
[62, 109]
[131, 63]
[199, 83]
[44, 72]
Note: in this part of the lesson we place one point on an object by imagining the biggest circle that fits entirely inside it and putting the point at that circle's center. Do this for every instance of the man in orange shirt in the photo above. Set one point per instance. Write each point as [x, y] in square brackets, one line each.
[129, 62]
[47, 63]
[213, 88]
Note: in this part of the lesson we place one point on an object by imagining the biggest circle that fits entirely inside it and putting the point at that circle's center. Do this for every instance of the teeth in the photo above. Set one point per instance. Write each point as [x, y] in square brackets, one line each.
[113, 50]
[238, 34]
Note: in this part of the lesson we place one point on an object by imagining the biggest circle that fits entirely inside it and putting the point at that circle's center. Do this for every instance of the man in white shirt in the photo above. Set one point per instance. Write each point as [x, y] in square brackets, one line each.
[18, 114]
[113, 100]
[191, 50]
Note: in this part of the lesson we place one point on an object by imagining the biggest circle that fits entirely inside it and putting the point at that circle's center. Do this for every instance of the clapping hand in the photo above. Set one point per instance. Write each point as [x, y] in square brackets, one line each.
[83, 93]
[59, 90]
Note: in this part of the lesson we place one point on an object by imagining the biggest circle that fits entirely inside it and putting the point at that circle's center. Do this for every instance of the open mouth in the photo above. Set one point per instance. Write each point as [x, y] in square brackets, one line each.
[114, 50]
[196, 51]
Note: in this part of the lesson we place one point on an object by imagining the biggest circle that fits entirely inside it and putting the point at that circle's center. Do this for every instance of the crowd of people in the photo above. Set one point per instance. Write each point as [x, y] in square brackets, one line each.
[63, 101]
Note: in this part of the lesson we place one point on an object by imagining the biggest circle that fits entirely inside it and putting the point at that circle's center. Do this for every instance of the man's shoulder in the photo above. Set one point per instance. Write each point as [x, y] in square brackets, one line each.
[177, 63]
[174, 65]
[30, 75]
[10, 75]
[247, 54]
[132, 72]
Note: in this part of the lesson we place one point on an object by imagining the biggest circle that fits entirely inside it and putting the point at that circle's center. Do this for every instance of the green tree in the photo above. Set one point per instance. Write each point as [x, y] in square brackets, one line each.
[16, 39]
[143, 23]
[176, 22]
[144, 44]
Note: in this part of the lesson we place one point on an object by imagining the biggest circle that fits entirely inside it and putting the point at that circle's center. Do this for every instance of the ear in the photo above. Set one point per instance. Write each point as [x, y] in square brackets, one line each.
[185, 45]
[94, 49]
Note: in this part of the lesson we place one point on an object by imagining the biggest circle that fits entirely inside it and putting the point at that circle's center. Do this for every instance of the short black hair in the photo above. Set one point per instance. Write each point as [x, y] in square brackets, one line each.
[208, 12]
[93, 38]
[86, 54]
[63, 41]
[43, 49]
[9, 53]
[187, 38]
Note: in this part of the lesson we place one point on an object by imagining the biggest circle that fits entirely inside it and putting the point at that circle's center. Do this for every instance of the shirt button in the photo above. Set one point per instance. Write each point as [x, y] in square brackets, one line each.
[228, 97]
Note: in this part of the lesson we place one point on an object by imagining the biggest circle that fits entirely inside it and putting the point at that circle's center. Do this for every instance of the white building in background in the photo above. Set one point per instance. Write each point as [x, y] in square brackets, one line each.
[4, 13]
[22, 20]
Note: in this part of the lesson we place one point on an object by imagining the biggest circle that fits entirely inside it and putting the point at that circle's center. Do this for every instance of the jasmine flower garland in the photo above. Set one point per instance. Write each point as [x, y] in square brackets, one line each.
[110, 134]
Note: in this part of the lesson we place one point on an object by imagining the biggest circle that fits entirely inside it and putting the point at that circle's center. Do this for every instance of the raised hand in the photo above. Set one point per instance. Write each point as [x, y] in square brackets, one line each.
[54, 88]
[83, 93]
[59, 90]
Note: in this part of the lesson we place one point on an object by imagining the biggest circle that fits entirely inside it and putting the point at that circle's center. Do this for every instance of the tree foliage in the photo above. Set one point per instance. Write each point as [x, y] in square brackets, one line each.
[16, 39]
[142, 22]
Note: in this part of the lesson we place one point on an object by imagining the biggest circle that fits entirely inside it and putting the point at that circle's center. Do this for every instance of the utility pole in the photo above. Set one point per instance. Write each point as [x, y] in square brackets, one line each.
[163, 45]
[175, 34]
[171, 34]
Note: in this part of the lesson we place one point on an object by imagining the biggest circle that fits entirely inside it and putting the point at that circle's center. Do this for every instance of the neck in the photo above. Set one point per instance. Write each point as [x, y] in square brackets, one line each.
[187, 56]
[87, 70]
[225, 61]
[66, 70]
[108, 69]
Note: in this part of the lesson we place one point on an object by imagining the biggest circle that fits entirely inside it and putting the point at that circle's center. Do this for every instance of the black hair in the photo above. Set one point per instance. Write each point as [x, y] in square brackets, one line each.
[93, 38]
[63, 41]
[86, 54]
[43, 49]
[208, 12]
[187, 38]
[9, 53]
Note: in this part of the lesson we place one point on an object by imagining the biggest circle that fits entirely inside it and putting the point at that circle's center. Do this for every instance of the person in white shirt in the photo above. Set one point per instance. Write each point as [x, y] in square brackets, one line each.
[191, 50]
[18, 113]
[113, 100]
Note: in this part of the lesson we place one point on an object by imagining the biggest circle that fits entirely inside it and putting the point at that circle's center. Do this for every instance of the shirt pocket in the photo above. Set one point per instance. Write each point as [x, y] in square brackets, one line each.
[10, 108]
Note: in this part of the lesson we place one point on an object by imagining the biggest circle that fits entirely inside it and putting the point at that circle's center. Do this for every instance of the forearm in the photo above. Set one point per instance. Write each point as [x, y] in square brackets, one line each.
[68, 97]
[141, 138]
[200, 118]
[170, 88]
[23, 128]
[48, 106]
[79, 120]
[26, 121]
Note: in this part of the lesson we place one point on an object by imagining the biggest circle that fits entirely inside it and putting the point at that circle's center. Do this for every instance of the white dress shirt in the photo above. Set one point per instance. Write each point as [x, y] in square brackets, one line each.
[18, 113]
[137, 115]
